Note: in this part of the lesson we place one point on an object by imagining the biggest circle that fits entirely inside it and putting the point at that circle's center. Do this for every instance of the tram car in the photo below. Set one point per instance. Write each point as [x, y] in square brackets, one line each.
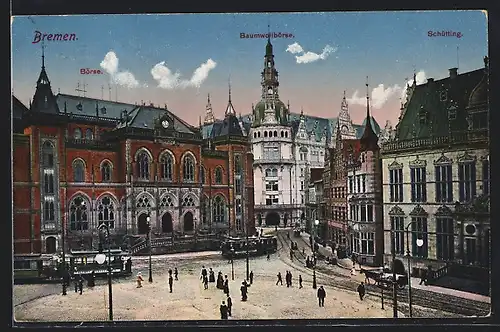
[82, 262]
[35, 268]
[237, 246]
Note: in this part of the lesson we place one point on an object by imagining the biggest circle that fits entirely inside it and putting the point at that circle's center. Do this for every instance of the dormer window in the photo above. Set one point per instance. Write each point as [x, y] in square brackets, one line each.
[79, 107]
[443, 96]
[103, 110]
[422, 115]
[269, 64]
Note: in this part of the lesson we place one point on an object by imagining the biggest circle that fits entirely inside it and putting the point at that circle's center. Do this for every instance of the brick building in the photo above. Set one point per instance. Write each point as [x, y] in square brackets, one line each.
[80, 162]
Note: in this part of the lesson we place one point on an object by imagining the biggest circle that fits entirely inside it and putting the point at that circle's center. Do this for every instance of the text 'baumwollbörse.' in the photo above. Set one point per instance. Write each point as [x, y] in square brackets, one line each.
[244, 35]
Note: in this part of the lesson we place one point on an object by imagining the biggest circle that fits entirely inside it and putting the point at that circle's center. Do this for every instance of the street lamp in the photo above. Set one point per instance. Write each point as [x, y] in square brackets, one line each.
[148, 219]
[316, 223]
[100, 258]
[419, 243]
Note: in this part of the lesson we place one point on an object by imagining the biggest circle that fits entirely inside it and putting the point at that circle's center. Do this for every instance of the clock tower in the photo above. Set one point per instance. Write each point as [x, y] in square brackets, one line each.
[269, 82]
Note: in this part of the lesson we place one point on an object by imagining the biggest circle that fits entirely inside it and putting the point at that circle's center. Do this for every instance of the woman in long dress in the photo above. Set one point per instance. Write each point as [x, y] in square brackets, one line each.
[220, 281]
[211, 276]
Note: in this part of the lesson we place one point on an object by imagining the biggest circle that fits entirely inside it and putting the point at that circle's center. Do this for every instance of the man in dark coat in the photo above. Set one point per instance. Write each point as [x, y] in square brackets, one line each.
[75, 277]
[244, 291]
[211, 276]
[80, 284]
[251, 277]
[205, 282]
[203, 273]
[280, 280]
[321, 296]
[229, 305]
[223, 311]
[226, 285]
[91, 282]
[170, 280]
[290, 278]
[220, 281]
[423, 277]
[176, 274]
[361, 290]
[300, 281]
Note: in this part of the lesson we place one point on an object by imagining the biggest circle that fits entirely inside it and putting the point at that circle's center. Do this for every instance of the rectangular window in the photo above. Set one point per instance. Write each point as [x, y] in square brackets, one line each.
[418, 184]
[351, 185]
[301, 185]
[271, 199]
[48, 183]
[238, 206]
[398, 228]
[272, 185]
[367, 243]
[486, 177]
[301, 172]
[467, 181]
[363, 182]
[419, 231]
[271, 153]
[363, 212]
[239, 225]
[445, 245]
[358, 182]
[351, 211]
[237, 186]
[444, 184]
[369, 212]
[302, 199]
[396, 185]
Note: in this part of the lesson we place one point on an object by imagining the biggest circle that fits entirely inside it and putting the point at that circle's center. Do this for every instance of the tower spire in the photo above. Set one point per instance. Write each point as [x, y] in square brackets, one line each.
[229, 109]
[43, 54]
[229, 85]
[369, 139]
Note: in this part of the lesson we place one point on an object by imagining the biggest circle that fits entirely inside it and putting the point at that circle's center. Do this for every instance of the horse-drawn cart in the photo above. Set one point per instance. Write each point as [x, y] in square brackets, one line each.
[384, 279]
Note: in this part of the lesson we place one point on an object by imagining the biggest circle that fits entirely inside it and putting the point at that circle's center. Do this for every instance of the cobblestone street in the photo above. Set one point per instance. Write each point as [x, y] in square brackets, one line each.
[190, 301]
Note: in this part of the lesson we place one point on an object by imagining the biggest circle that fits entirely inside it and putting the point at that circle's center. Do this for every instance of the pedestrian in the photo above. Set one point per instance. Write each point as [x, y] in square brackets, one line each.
[205, 282]
[211, 276]
[244, 291]
[251, 277]
[170, 282]
[176, 274]
[268, 257]
[220, 281]
[76, 283]
[423, 277]
[80, 284]
[203, 273]
[91, 283]
[361, 291]
[280, 280]
[226, 285]
[287, 278]
[300, 281]
[303, 251]
[223, 310]
[353, 270]
[229, 305]
[290, 278]
[139, 280]
[321, 296]
[291, 254]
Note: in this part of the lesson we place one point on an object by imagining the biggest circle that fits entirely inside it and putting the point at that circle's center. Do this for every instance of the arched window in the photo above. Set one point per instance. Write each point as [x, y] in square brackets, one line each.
[48, 183]
[286, 134]
[271, 172]
[89, 134]
[238, 167]
[275, 134]
[78, 214]
[258, 134]
[166, 167]
[282, 133]
[254, 135]
[49, 211]
[202, 175]
[78, 171]
[218, 175]
[106, 171]
[143, 165]
[205, 211]
[219, 208]
[188, 201]
[77, 134]
[265, 133]
[48, 154]
[188, 168]
[106, 212]
[166, 201]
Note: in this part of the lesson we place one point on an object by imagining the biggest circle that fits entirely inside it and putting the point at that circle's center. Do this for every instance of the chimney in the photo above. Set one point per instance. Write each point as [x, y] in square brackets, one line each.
[453, 72]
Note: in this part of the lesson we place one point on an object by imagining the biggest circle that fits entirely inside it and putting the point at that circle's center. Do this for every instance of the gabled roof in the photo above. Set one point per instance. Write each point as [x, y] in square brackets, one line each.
[18, 108]
[230, 126]
[432, 101]
[145, 117]
[92, 107]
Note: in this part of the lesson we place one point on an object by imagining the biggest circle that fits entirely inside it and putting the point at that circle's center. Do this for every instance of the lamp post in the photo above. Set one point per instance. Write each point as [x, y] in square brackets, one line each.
[148, 219]
[316, 223]
[100, 258]
[394, 283]
[419, 243]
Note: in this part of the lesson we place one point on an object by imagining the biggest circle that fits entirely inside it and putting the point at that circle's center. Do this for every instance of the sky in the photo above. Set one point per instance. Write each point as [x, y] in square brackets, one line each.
[178, 59]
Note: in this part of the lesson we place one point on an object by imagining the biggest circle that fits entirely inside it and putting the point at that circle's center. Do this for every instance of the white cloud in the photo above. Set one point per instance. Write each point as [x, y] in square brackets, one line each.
[308, 57]
[381, 94]
[123, 78]
[294, 48]
[169, 80]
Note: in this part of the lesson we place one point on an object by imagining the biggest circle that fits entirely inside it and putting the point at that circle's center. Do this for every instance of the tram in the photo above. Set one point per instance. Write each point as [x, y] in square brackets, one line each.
[82, 262]
[257, 245]
[34, 268]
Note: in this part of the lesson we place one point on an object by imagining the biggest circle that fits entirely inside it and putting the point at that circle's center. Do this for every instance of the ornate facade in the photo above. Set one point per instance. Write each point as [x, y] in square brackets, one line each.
[81, 162]
[436, 174]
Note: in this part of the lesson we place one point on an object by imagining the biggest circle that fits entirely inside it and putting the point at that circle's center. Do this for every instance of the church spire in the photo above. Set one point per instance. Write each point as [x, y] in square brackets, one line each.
[209, 115]
[369, 139]
[229, 109]
[43, 54]
[343, 105]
